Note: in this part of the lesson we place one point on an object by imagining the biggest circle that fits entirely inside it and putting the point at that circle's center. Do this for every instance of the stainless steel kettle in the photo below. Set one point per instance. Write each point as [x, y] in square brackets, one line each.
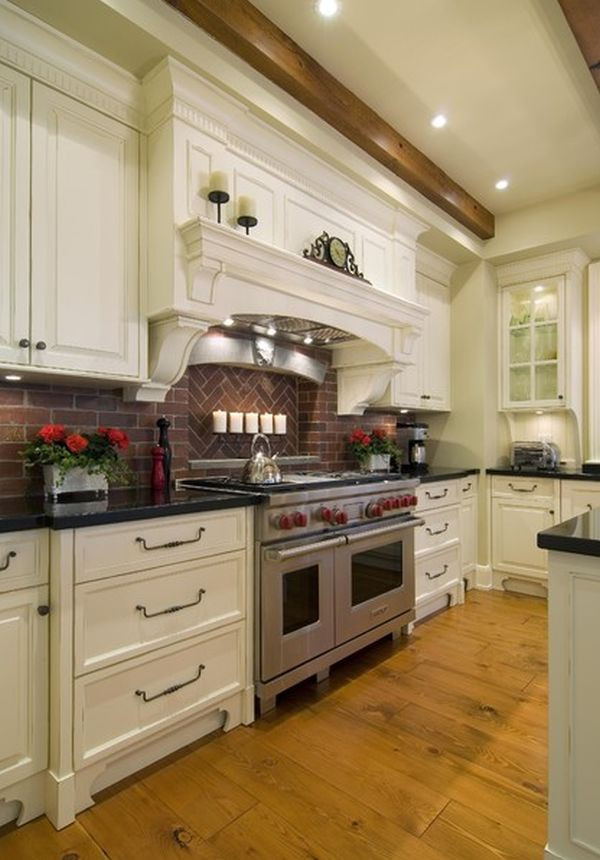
[261, 468]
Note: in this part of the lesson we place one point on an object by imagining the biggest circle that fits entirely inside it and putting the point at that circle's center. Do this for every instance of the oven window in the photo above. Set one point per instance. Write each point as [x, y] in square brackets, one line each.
[376, 572]
[300, 598]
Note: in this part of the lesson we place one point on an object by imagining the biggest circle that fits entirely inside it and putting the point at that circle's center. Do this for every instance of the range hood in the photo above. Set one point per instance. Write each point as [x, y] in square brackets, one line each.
[226, 275]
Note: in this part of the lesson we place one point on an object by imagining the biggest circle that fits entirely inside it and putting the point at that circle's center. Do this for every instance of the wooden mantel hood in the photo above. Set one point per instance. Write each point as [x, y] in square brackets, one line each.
[243, 29]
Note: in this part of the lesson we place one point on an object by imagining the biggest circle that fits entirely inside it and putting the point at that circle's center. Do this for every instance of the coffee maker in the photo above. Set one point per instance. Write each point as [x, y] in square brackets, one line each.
[411, 436]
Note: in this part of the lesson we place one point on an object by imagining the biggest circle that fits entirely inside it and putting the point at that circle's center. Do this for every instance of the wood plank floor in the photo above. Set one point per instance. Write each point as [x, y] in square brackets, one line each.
[431, 748]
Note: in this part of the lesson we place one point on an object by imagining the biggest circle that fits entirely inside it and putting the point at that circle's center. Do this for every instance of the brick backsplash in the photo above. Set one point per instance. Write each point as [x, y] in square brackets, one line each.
[312, 423]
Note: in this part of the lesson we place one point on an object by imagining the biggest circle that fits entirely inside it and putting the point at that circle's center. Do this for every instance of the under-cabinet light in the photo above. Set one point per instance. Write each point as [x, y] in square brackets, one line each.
[439, 121]
[328, 8]
[12, 377]
[228, 322]
[502, 184]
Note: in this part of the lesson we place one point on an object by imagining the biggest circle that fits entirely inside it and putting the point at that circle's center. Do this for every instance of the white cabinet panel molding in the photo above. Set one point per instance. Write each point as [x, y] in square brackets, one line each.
[593, 364]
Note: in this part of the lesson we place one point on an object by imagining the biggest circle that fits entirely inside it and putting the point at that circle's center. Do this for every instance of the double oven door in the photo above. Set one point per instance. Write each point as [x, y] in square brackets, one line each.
[318, 593]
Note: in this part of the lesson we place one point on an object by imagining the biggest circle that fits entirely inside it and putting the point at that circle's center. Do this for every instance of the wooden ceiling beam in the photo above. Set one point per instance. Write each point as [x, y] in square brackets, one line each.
[243, 29]
[583, 17]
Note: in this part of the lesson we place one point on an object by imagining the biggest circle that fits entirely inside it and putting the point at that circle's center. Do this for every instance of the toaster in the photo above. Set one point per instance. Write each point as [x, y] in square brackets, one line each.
[535, 455]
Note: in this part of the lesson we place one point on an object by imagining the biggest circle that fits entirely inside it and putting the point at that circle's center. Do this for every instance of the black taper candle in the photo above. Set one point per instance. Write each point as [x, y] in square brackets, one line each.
[163, 425]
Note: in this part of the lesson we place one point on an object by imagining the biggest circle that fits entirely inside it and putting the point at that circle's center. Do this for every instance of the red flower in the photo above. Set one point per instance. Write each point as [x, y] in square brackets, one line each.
[380, 432]
[103, 431]
[76, 443]
[366, 440]
[52, 433]
[118, 438]
[357, 436]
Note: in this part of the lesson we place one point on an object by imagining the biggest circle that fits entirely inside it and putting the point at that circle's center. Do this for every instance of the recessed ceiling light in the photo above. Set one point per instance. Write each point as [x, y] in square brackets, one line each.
[12, 377]
[439, 121]
[328, 8]
[502, 184]
[539, 411]
[308, 339]
[271, 331]
[229, 321]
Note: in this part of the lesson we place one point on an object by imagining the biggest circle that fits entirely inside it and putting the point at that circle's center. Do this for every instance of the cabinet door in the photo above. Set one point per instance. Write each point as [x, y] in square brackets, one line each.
[578, 497]
[14, 215]
[515, 526]
[436, 346]
[84, 255]
[23, 681]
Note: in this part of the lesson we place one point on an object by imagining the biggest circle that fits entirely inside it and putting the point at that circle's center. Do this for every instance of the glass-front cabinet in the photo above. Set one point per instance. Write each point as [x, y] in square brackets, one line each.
[533, 315]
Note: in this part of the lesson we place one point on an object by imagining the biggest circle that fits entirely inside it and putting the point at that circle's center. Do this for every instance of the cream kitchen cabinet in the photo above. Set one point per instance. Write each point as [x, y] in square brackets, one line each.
[578, 497]
[540, 319]
[438, 565]
[23, 671]
[155, 649]
[522, 507]
[69, 288]
[467, 492]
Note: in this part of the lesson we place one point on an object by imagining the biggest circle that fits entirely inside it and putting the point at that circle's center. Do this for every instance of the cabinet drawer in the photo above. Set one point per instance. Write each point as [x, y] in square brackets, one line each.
[118, 706]
[120, 618]
[23, 559]
[109, 550]
[467, 487]
[524, 489]
[434, 495]
[578, 497]
[441, 527]
[437, 571]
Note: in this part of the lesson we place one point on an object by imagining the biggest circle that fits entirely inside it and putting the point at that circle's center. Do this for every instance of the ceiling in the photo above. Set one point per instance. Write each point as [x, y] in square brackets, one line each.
[520, 100]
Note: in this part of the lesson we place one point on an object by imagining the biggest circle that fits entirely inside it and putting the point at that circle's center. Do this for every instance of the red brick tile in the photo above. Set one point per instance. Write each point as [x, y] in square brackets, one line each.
[11, 396]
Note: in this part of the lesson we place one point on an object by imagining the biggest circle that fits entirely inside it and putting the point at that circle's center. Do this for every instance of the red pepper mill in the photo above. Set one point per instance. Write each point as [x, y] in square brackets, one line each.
[163, 425]
[157, 481]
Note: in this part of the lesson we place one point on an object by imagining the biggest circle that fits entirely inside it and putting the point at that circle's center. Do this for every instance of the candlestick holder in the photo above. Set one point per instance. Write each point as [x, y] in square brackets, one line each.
[218, 197]
[247, 222]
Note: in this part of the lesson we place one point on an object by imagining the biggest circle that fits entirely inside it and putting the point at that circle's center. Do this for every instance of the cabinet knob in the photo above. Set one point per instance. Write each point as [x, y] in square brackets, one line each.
[551, 512]
[560, 397]
[43, 610]
[40, 345]
[24, 342]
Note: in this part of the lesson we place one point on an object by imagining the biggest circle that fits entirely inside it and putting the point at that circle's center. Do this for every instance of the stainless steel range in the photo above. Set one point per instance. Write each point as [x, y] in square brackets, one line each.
[334, 570]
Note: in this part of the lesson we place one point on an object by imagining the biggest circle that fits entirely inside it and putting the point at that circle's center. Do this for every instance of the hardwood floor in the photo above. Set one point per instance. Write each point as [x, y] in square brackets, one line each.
[431, 748]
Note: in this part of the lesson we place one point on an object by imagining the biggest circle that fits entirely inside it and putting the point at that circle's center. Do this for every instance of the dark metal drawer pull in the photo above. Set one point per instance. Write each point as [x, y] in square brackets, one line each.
[440, 496]
[438, 531]
[170, 544]
[172, 689]
[11, 554]
[171, 609]
[523, 489]
[467, 488]
[436, 575]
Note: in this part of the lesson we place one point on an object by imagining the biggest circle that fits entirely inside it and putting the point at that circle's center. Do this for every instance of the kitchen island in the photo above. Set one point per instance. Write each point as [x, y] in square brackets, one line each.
[574, 644]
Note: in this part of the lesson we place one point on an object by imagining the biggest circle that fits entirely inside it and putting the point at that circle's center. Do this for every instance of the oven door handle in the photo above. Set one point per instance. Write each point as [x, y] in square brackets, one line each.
[303, 549]
[384, 530]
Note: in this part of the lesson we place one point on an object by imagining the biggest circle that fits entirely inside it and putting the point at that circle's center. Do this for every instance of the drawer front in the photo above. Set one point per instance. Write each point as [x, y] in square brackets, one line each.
[116, 619]
[113, 549]
[23, 559]
[532, 489]
[437, 571]
[467, 487]
[441, 527]
[118, 706]
[434, 495]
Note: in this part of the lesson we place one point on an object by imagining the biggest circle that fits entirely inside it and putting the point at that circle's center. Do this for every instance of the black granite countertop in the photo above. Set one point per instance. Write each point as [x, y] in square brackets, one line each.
[560, 474]
[18, 513]
[445, 474]
[580, 535]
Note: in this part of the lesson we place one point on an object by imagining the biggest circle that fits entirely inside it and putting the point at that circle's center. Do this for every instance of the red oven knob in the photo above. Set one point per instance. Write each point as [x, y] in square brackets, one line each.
[414, 500]
[405, 501]
[374, 510]
[387, 504]
[341, 518]
[284, 522]
[326, 514]
[300, 519]
[396, 502]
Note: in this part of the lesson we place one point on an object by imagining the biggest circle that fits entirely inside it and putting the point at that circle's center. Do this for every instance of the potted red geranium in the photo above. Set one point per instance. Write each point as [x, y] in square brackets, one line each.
[373, 449]
[76, 462]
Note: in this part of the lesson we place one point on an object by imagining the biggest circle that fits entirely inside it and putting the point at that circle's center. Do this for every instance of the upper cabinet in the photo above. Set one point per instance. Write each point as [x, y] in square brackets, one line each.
[69, 234]
[541, 335]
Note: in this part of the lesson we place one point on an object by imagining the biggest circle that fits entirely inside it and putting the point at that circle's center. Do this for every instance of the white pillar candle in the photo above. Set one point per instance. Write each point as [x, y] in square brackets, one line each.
[251, 422]
[236, 422]
[219, 181]
[266, 422]
[219, 421]
[280, 424]
[247, 206]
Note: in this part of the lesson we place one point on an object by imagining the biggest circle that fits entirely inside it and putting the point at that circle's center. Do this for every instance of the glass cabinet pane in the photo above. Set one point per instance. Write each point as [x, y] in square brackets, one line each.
[545, 302]
[546, 342]
[520, 307]
[546, 381]
[520, 345]
[520, 383]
